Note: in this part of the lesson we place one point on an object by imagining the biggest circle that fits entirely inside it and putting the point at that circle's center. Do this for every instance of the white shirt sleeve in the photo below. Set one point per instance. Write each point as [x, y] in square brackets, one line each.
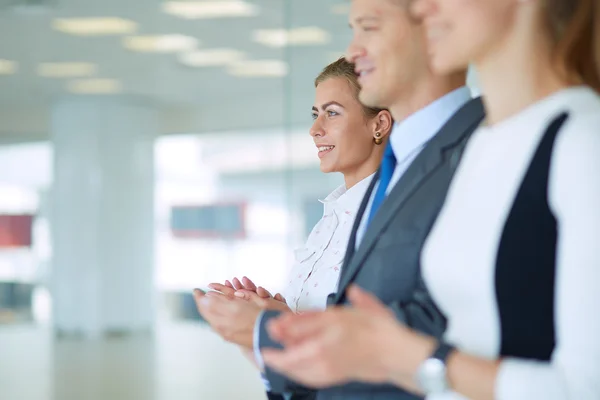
[256, 342]
[574, 197]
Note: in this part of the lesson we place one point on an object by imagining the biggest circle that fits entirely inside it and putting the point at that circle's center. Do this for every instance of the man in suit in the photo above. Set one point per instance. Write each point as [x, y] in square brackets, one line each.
[435, 117]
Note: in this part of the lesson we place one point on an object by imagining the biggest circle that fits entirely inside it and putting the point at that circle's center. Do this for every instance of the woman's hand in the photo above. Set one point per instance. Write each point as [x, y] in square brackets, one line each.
[246, 289]
[276, 302]
[229, 287]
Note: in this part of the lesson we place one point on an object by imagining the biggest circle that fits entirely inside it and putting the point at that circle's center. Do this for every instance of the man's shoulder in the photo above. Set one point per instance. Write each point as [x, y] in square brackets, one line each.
[461, 124]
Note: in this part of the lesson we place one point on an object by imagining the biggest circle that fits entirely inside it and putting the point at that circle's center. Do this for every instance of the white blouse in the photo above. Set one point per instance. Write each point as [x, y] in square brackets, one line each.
[459, 258]
[316, 271]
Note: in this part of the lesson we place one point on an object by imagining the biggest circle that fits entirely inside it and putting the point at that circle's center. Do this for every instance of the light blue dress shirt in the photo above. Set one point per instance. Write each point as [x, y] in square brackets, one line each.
[408, 138]
[411, 135]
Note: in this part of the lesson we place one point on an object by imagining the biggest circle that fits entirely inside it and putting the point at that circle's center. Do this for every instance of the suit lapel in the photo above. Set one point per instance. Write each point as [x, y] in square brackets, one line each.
[431, 157]
[357, 221]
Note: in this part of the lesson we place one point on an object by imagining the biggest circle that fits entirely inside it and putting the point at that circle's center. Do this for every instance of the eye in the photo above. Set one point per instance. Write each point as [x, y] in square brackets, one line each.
[314, 116]
[368, 28]
[332, 113]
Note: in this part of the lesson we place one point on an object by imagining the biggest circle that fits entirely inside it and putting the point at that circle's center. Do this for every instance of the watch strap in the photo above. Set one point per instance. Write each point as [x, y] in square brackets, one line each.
[443, 351]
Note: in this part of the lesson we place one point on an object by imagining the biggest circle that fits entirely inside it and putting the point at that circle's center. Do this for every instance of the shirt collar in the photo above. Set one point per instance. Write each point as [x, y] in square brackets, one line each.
[418, 128]
[346, 200]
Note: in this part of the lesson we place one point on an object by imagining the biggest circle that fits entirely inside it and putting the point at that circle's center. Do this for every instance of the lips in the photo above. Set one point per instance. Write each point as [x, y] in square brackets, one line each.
[324, 149]
[363, 73]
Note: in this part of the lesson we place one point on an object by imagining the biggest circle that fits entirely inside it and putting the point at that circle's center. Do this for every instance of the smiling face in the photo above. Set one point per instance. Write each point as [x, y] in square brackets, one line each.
[341, 131]
[388, 48]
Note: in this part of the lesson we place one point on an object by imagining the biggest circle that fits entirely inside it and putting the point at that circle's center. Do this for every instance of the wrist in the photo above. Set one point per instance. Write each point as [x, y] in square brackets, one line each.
[409, 352]
[432, 375]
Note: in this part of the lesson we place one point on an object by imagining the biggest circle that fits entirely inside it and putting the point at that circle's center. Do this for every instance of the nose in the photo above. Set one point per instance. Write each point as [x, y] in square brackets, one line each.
[316, 130]
[422, 8]
[354, 50]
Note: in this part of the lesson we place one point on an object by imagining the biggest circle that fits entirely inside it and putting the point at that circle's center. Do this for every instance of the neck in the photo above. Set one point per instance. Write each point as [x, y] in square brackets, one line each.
[425, 92]
[351, 178]
[517, 75]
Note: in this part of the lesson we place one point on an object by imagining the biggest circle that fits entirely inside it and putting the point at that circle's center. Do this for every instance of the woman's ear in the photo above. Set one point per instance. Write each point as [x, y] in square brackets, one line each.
[383, 123]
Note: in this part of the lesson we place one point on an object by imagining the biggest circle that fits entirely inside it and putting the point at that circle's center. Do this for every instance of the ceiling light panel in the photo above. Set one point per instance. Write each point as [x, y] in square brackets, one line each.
[94, 86]
[66, 69]
[309, 35]
[211, 57]
[259, 68]
[160, 43]
[95, 26]
[8, 67]
[210, 9]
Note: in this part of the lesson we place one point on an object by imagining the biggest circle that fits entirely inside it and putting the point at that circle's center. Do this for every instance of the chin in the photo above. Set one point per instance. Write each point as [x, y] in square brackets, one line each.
[444, 65]
[326, 168]
[370, 98]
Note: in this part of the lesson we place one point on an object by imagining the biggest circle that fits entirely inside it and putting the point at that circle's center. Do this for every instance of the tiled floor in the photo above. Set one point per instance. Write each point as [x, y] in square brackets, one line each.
[183, 362]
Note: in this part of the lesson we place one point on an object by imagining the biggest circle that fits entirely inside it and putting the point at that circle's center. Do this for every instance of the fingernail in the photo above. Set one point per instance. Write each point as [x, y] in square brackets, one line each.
[239, 294]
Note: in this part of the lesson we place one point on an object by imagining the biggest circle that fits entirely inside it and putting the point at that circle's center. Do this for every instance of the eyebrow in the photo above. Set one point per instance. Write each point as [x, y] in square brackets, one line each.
[360, 20]
[324, 106]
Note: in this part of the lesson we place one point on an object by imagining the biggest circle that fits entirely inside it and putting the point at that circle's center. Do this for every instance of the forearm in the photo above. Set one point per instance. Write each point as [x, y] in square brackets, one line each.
[472, 377]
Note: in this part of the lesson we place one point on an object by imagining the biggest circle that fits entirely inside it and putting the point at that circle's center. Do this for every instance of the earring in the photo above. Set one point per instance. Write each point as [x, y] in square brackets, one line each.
[377, 139]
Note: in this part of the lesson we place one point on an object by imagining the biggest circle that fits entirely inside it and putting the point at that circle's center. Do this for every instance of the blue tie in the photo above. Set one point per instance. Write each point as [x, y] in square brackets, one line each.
[388, 165]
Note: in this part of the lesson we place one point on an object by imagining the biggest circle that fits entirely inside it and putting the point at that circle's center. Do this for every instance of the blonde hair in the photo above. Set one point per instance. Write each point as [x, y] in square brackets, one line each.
[344, 69]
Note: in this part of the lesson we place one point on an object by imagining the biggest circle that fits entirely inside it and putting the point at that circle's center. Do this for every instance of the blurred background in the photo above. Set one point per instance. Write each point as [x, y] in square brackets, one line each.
[147, 148]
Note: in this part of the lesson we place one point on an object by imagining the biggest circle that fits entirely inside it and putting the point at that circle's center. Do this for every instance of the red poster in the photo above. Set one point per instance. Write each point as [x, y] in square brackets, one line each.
[15, 230]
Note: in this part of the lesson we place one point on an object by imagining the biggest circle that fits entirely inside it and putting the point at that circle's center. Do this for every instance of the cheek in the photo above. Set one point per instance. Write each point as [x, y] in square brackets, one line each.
[356, 147]
[469, 35]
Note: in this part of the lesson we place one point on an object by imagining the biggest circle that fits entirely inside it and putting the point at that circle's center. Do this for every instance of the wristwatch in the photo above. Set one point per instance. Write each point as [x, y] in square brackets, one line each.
[431, 375]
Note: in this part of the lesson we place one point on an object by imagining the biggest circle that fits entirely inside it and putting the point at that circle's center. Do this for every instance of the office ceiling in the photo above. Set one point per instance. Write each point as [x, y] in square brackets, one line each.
[223, 101]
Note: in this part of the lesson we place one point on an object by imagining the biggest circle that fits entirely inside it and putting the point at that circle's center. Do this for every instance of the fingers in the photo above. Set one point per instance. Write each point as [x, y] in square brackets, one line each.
[203, 303]
[366, 301]
[226, 290]
[229, 284]
[248, 284]
[250, 296]
[237, 284]
[293, 359]
[293, 328]
[279, 297]
[198, 294]
[264, 293]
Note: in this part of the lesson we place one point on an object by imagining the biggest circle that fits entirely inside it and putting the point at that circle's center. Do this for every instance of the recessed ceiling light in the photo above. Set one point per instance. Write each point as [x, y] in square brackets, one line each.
[94, 86]
[66, 69]
[210, 9]
[258, 68]
[341, 9]
[160, 43]
[211, 57]
[8, 67]
[310, 35]
[95, 26]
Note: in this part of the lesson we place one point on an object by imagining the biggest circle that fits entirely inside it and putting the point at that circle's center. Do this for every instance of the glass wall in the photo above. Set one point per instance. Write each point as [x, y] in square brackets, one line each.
[148, 148]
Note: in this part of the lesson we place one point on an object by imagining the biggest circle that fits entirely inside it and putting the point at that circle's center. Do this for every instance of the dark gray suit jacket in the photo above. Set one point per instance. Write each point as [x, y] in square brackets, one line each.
[387, 261]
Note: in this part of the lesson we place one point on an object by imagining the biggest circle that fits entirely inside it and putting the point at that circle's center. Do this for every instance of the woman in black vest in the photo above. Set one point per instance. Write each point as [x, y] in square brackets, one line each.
[513, 260]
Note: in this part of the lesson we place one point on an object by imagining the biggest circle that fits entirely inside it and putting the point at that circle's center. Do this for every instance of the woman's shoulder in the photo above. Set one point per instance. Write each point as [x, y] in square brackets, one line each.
[576, 156]
[582, 125]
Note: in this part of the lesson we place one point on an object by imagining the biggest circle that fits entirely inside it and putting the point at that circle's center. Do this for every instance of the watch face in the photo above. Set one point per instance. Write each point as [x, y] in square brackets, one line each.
[432, 376]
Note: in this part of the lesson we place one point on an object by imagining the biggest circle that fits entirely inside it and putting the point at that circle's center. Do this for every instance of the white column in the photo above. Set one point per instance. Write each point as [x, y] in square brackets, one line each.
[102, 216]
